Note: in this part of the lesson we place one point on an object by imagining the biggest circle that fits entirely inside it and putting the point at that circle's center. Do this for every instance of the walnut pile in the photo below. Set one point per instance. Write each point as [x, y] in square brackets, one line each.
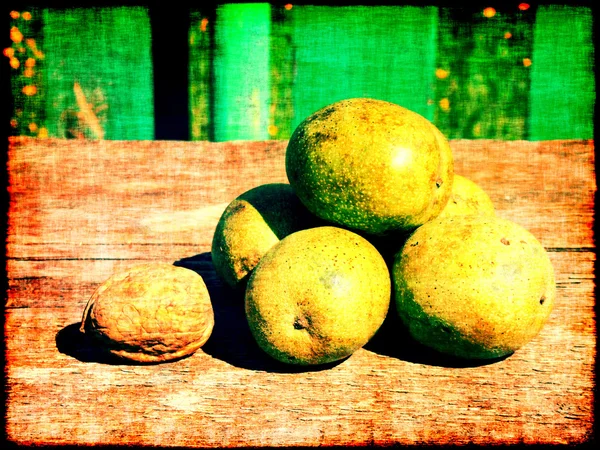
[153, 312]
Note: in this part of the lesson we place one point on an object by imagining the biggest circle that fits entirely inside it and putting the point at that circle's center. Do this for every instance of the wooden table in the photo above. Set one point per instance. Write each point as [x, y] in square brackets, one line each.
[80, 211]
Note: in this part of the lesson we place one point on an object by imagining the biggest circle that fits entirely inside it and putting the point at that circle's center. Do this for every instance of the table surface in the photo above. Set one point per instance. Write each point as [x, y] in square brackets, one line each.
[81, 210]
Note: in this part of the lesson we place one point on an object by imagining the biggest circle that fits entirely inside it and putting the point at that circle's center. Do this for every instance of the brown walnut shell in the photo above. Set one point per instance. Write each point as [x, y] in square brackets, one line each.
[153, 312]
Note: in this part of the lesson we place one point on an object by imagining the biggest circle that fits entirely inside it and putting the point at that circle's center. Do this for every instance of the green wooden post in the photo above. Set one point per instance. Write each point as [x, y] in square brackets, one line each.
[241, 72]
[384, 52]
[562, 74]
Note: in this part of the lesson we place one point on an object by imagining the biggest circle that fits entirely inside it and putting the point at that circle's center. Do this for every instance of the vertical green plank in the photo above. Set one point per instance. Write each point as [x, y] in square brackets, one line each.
[385, 52]
[562, 78]
[200, 60]
[99, 57]
[241, 69]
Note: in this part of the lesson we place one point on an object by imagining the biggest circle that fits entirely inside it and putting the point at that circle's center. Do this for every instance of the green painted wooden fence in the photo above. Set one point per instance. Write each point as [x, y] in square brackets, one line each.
[255, 70]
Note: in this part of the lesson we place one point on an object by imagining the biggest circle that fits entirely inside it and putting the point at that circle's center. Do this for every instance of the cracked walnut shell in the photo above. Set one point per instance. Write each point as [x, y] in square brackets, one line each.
[153, 312]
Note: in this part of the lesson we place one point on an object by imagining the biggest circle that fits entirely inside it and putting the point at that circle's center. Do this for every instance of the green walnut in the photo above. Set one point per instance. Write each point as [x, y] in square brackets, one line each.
[253, 223]
[370, 165]
[473, 286]
[468, 198]
[317, 296]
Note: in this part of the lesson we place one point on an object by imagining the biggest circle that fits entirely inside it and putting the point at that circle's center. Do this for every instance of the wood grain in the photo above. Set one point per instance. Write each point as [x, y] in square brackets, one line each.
[79, 212]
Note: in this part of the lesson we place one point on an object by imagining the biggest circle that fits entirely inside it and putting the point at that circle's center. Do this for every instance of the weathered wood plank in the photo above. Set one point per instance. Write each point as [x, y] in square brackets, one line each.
[384, 393]
[159, 192]
[81, 212]
[548, 187]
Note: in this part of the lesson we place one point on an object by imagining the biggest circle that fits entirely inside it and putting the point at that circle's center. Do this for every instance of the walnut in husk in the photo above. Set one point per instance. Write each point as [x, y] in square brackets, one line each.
[153, 312]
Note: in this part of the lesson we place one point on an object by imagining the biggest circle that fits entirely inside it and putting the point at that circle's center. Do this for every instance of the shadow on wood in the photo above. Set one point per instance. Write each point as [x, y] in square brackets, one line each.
[394, 340]
[231, 340]
[73, 342]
